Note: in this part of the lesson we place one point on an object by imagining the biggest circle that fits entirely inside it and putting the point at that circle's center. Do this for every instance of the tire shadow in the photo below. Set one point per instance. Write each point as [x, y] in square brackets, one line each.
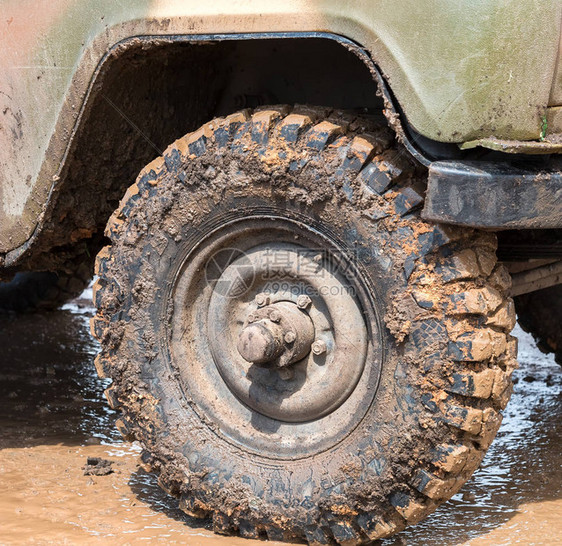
[145, 487]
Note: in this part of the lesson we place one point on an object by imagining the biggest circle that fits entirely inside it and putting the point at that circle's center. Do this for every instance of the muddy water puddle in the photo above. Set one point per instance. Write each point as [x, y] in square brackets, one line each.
[53, 417]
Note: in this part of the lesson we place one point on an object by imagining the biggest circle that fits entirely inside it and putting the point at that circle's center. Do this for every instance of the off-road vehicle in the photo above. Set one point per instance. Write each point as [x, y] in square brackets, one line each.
[299, 302]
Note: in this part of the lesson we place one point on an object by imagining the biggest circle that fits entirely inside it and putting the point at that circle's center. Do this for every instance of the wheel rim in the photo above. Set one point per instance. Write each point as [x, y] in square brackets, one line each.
[312, 373]
[283, 386]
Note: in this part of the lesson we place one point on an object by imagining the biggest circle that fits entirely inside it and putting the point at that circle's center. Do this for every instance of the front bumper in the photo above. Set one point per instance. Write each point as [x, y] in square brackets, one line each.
[494, 195]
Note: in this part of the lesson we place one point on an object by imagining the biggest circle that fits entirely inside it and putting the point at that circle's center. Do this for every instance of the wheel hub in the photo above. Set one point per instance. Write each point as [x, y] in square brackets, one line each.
[288, 355]
[276, 335]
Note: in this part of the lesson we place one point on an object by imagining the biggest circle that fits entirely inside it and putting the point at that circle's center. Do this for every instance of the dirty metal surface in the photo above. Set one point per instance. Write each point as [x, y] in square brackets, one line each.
[51, 54]
[537, 278]
[315, 381]
[494, 195]
[552, 144]
[262, 296]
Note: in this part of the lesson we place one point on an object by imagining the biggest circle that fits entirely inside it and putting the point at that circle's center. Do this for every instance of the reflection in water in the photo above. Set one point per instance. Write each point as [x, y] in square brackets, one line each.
[49, 392]
[49, 395]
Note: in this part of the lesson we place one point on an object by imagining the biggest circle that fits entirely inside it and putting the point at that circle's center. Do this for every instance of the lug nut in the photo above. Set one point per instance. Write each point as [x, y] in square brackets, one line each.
[275, 316]
[290, 337]
[262, 299]
[303, 301]
[252, 318]
[318, 347]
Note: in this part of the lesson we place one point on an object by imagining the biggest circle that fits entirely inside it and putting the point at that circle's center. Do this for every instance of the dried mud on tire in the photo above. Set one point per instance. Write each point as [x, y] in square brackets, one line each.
[443, 319]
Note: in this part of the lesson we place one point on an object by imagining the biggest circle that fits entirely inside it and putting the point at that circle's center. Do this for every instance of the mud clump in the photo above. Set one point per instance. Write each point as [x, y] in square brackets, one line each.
[96, 466]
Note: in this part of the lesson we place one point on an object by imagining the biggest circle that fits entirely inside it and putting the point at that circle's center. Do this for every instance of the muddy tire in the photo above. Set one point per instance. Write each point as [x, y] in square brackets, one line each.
[540, 314]
[411, 357]
[30, 291]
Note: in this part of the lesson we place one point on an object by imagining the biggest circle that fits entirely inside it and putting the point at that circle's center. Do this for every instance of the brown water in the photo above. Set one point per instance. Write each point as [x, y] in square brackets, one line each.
[53, 416]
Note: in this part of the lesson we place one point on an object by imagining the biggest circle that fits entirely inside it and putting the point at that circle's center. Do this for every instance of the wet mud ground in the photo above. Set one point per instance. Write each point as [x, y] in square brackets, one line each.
[53, 417]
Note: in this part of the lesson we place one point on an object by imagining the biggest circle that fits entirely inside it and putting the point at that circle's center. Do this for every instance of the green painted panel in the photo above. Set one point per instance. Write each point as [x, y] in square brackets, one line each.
[461, 69]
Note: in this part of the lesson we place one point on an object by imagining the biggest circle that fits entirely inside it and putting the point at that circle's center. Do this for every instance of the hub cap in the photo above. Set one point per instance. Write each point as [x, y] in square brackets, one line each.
[277, 335]
[287, 381]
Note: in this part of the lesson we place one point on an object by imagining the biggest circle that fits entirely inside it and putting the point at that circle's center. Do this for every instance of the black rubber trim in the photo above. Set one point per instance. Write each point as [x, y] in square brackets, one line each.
[494, 195]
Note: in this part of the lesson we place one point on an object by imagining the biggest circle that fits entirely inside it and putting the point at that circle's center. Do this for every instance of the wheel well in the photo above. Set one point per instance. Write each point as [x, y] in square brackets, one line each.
[151, 93]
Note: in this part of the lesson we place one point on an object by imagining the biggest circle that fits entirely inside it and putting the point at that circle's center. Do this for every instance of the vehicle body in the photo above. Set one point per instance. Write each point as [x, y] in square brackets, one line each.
[474, 72]
[90, 92]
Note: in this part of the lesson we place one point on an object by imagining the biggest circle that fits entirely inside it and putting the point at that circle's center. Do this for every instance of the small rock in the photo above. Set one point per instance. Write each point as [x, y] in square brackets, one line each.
[468, 496]
[96, 466]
